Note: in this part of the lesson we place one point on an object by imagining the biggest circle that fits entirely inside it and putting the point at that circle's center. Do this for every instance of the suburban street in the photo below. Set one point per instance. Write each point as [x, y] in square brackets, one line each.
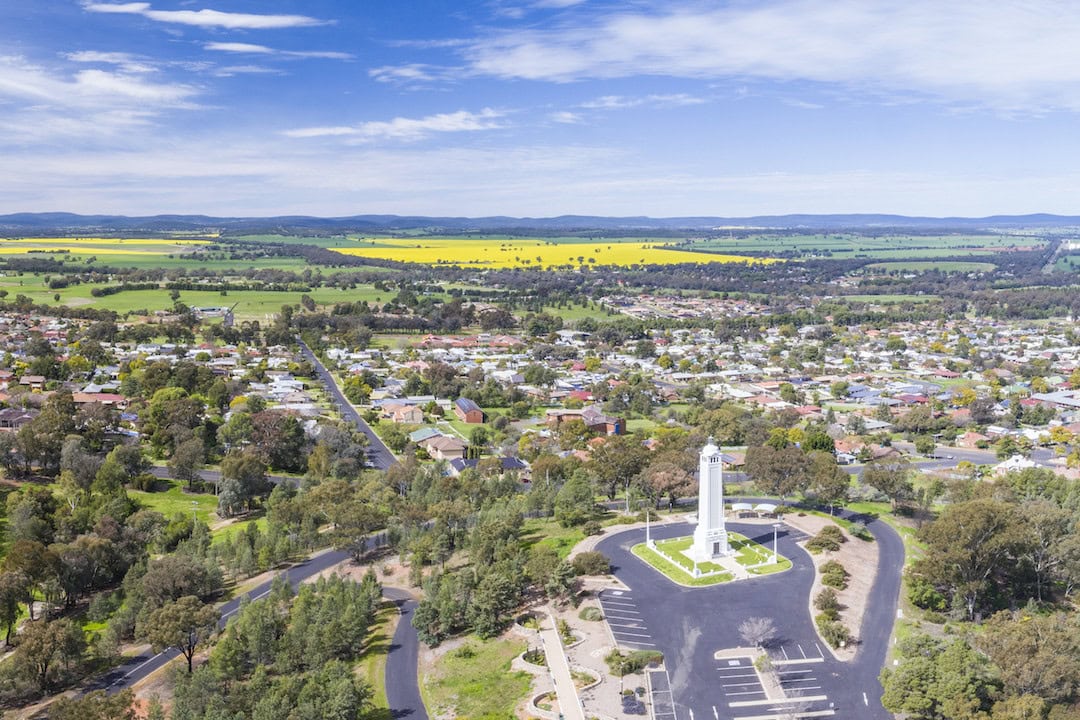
[689, 625]
[379, 456]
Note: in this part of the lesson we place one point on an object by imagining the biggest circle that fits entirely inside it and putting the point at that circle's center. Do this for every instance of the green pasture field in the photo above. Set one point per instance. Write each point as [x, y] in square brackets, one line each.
[845, 245]
[250, 304]
[948, 267]
[1068, 263]
[888, 299]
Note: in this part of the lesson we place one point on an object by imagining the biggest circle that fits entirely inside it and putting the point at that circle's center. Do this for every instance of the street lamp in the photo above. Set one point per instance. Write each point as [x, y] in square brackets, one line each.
[775, 557]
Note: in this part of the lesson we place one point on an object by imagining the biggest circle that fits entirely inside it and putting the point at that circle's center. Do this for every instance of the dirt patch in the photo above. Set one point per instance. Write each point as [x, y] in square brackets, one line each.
[860, 559]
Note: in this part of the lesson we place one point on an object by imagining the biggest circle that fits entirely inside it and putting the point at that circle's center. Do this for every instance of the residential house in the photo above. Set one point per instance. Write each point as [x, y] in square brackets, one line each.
[442, 447]
[468, 411]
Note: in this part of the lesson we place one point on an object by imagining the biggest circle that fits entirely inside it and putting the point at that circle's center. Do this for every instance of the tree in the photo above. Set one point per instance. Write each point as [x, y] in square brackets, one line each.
[938, 679]
[1037, 654]
[97, 705]
[182, 624]
[574, 503]
[970, 551]
[757, 631]
[890, 476]
[186, 461]
[243, 479]
[1046, 526]
[42, 645]
[775, 471]
[13, 589]
[828, 482]
[616, 462]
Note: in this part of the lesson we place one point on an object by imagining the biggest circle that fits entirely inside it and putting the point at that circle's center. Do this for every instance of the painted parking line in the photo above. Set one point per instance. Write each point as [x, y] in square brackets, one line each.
[661, 698]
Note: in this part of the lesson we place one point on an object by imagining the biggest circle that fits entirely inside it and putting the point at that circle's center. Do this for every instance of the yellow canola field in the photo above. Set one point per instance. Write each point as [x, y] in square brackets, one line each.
[494, 253]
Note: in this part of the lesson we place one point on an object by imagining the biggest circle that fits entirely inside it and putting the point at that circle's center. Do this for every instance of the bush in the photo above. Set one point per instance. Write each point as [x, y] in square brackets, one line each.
[593, 527]
[626, 664]
[827, 602]
[565, 633]
[832, 630]
[827, 540]
[591, 614]
[834, 575]
[103, 605]
[923, 595]
[592, 562]
[144, 482]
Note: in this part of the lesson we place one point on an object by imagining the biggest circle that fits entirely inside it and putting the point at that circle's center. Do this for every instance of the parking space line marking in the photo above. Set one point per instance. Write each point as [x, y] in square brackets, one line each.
[810, 714]
[777, 703]
[784, 651]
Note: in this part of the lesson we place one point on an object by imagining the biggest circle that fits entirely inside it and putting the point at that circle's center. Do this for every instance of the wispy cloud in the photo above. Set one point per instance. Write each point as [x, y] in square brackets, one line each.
[1010, 56]
[87, 88]
[412, 74]
[401, 128]
[253, 49]
[619, 102]
[565, 117]
[125, 61]
[206, 18]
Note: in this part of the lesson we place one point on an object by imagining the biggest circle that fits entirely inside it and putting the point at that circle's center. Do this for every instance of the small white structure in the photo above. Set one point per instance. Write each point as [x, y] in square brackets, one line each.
[710, 535]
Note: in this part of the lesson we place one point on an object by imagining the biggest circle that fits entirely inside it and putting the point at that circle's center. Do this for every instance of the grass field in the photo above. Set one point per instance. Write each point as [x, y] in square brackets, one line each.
[888, 299]
[475, 681]
[849, 245]
[946, 267]
[529, 252]
[1068, 263]
[546, 531]
[250, 304]
[175, 500]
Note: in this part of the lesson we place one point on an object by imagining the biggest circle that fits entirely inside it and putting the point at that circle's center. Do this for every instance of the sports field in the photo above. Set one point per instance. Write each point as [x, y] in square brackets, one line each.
[489, 252]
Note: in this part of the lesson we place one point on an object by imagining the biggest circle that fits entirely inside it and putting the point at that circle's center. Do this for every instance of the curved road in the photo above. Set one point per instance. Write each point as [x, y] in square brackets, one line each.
[402, 684]
[689, 624]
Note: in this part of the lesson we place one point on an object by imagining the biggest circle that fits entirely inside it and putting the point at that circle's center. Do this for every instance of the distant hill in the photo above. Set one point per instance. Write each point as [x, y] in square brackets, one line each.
[66, 223]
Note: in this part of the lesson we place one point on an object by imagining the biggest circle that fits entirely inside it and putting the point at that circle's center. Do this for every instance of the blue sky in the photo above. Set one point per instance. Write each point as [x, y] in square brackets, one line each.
[539, 107]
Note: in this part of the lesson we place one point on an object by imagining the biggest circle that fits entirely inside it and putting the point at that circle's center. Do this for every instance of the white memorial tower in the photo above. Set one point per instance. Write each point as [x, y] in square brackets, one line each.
[710, 536]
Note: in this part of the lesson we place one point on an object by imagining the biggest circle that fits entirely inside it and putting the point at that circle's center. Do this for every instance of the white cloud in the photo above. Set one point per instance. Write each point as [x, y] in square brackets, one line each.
[253, 49]
[125, 61]
[565, 117]
[1007, 55]
[401, 128]
[102, 89]
[206, 18]
[618, 102]
[412, 74]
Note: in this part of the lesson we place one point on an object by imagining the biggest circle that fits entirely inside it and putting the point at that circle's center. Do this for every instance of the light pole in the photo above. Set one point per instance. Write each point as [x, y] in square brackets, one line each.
[775, 557]
[194, 507]
[648, 537]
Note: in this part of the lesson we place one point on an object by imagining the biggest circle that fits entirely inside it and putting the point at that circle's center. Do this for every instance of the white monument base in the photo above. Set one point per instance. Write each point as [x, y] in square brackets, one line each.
[709, 545]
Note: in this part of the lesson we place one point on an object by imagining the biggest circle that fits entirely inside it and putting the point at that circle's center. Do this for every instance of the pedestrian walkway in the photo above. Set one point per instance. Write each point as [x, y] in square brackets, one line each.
[557, 663]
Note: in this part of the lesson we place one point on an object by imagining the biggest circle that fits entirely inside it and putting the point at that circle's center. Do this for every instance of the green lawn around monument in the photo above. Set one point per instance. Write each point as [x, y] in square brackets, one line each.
[678, 567]
[675, 573]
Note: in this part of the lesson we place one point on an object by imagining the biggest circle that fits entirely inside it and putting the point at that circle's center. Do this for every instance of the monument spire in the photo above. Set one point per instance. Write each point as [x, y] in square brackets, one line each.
[710, 536]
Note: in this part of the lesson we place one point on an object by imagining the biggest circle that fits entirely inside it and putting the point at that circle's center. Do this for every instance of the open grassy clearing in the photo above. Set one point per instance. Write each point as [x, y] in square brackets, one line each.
[531, 252]
[475, 681]
[175, 500]
[1068, 263]
[547, 531]
[946, 267]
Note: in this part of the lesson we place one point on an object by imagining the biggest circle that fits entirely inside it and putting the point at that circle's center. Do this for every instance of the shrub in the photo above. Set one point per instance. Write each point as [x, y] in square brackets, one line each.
[626, 664]
[592, 562]
[565, 634]
[827, 540]
[923, 595]
[827, 602]
[834, 575]
[591, 614]
[593, 527]
[144, 482]
[832, 630]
